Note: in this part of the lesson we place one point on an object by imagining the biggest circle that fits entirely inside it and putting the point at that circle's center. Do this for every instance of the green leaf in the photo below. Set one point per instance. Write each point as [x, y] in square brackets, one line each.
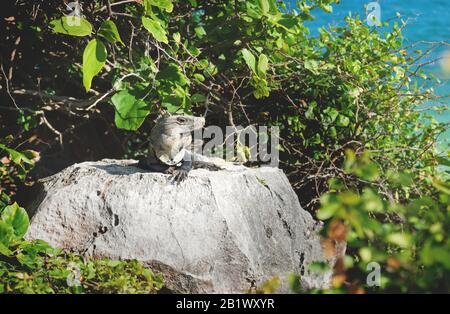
[193, 3]
[147, 7]
[309, 114]
[252, 10]
[200, 32]
[173, 74]
[400, 178]
[369, 172]
[288, 23]
[27, 260]
[202, 64]
[35, 247]
[442, 186]
[443, 161]
[327, 8]
[6, 233]
[16, 217]
[4, 249]
[431, 254]
[4, 201]
[198, 98]
[72, 25]
[18, 157]
[261, 87]
[330, 115]
[263, 65]
[130, 112]
[249, 59]
[199, 77]
[162, 4]
[342, 121]
[194, 51]
[327, 211]
[108, 30]
[94, 58]
[114, 263]
[210, 70]
[177, 37]
[264, 6]
[155, 29]
[401, 239]
[312, 65]
[174, 98]
[366, 254]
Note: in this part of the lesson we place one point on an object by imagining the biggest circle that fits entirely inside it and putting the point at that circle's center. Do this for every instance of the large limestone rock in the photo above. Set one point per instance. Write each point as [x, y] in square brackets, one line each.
[218, 231]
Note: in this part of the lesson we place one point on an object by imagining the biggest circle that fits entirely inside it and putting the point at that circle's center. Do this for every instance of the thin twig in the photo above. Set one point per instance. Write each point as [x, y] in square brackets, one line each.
[108, 8]
[7, 88]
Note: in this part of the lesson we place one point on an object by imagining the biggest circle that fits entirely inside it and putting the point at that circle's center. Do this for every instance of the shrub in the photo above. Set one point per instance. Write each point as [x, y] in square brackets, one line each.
[391, 247]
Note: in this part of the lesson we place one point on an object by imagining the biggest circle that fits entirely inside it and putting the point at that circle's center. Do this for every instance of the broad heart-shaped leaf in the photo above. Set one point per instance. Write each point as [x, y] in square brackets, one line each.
[130, 112]
[249, 59]
[109, 31]
[162, 4]
[17, 218]
[72, 25]
[94, 58]
[155, 28]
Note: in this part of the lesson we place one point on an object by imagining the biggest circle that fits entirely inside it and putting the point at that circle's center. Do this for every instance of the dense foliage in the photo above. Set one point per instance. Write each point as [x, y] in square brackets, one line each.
[352, 88]
[409, 242]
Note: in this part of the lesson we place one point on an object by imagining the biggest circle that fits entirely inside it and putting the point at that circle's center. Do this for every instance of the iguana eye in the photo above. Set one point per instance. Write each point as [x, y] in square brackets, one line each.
[181, 120]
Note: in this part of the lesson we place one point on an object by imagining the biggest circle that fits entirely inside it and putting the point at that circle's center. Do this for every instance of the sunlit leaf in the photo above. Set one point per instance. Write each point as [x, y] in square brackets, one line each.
[263, 65]
[17, 218]
[167, 5]
[94, 58]
[155, 29]
[249, 59]
[72, 25]
[109, 31]
[130, 112]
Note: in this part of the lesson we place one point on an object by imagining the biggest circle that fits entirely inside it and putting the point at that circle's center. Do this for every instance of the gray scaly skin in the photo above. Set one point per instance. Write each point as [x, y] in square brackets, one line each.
[170, 141]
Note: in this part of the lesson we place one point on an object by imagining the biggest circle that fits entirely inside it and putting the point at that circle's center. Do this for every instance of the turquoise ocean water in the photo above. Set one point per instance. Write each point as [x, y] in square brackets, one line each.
[428, 20]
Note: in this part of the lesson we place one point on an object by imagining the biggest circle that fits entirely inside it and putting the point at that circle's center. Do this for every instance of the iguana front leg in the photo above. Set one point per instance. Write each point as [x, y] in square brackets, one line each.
[178, 173]
[181, 173]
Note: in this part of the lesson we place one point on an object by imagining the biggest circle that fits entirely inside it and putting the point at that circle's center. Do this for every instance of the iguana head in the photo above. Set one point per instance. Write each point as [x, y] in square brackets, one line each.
[181, 124]
[172, 135]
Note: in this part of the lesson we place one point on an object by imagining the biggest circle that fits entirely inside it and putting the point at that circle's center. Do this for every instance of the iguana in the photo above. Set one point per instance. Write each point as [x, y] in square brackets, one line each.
[170, 147]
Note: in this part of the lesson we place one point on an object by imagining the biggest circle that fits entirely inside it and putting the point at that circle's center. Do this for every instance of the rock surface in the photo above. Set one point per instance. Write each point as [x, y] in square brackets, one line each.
[219, 231]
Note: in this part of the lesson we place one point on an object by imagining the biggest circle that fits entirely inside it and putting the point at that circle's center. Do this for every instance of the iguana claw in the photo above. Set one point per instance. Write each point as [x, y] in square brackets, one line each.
[179, 175]
[169, 170]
